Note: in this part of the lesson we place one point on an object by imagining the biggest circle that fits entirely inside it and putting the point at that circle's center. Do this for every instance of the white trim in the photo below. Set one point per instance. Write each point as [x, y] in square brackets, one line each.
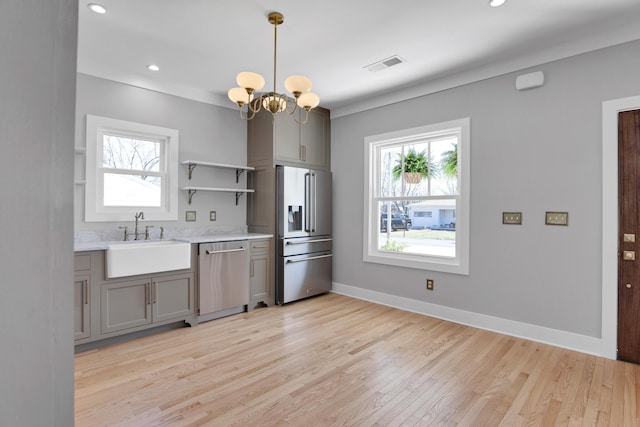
[610, 110]
[555, 337]
[95, 211]
[460, 263]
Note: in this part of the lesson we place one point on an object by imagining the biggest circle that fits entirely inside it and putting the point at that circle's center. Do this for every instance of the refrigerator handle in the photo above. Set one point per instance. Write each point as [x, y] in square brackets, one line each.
[314, 200]
[307, 202]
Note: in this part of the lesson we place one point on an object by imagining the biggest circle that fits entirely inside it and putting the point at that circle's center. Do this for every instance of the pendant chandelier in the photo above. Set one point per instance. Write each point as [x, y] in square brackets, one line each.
[250, 83]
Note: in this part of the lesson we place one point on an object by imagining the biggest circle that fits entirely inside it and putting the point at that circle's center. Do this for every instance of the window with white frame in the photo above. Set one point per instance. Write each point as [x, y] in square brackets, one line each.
[417, 197]
[131, 167]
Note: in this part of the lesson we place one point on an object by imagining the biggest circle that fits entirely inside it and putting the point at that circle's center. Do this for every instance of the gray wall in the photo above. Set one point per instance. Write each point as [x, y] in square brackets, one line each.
[207, 132]
[37, 97]
[531, 151]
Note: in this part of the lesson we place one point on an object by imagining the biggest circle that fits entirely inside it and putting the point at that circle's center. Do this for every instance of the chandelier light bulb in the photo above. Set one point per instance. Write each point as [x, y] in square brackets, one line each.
[496, 3]
[250, 81]
[308, 101]
[274, 103]
[240, 96]
[297, 85]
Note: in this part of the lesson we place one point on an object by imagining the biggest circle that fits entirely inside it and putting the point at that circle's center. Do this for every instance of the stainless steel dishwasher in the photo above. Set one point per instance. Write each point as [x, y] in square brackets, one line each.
[223, 277]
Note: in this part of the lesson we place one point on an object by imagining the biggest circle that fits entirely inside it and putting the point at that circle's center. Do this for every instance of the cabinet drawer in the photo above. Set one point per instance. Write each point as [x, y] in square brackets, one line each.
[82, 262]
[259, 246]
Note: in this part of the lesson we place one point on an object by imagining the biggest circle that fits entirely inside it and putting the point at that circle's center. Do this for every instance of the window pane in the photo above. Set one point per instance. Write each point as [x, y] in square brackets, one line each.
[426, 227]
[128, 153]
[132, 190]
[444, 154]
[426, 168]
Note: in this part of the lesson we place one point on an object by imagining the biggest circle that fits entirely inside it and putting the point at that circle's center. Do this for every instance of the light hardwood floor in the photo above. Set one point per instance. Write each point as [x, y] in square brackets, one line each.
[334, 360]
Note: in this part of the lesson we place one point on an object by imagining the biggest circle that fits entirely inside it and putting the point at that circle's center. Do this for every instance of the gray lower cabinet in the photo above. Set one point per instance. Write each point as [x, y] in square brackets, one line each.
[145, 301]
[105, 308]
[82, 296]
[261, 281]
[82, 306]
[125, 305]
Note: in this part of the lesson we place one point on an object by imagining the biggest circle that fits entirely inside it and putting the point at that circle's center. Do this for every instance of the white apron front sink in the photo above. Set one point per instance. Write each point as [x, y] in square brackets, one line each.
[132, 258]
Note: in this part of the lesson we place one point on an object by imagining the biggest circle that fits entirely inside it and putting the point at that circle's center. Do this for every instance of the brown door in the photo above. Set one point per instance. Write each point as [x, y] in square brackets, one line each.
[629, 236]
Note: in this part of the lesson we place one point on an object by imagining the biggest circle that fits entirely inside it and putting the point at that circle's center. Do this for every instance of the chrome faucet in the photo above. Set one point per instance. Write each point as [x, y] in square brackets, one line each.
[137, 233]
[138, 216]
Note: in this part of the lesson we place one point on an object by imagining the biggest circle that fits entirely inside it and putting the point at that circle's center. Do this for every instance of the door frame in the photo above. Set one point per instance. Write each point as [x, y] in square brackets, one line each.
[610, 110]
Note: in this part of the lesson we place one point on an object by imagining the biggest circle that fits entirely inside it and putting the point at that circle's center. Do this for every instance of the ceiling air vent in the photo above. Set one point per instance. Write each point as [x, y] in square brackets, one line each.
[385, 63]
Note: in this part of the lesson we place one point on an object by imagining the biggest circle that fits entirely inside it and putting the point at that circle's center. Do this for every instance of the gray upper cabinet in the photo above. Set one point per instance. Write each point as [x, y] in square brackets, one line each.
[280, 140]
[315, 139]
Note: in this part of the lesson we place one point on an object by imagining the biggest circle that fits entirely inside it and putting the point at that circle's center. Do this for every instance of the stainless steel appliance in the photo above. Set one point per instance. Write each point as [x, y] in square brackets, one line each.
[304, 221]
[223, 273]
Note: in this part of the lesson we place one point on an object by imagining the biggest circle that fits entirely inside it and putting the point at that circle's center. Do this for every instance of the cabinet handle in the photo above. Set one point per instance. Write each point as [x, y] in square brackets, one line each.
[155, 292]
[148, 293]
[260, 246]
[251, 269]
[86, 291]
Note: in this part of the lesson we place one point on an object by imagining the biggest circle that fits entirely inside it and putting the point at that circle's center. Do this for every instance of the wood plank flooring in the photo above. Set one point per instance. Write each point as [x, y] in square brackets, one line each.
[339, 361]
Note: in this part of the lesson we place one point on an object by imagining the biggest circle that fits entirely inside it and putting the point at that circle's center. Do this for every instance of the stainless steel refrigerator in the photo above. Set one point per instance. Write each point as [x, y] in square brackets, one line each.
[305, 240]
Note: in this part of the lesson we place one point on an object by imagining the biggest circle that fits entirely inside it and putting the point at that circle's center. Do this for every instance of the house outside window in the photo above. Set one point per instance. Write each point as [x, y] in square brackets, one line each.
[130, 167]
[417, 197]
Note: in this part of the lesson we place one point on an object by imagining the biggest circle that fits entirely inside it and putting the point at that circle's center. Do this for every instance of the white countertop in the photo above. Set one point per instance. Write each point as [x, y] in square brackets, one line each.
[102, 245]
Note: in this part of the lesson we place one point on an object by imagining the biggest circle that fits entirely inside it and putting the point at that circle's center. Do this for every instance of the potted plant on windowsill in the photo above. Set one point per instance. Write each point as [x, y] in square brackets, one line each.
[413, 167]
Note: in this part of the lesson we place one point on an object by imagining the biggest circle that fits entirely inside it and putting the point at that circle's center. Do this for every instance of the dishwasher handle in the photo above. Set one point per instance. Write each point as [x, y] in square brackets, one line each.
[290, 261]
[225, 251]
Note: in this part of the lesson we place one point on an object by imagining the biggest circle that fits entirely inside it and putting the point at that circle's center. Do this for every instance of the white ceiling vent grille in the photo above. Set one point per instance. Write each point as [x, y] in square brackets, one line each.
[385, 63]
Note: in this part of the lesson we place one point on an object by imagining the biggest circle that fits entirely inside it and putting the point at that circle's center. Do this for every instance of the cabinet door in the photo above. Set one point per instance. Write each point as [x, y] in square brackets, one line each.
[315, 139]
[81, 307]
[172, 296]
[260, 138]
[261, 203]
[125, 305]
[287, 138]
[260, 271]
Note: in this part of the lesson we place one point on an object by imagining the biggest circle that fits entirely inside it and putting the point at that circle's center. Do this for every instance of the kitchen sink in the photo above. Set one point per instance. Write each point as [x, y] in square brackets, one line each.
[143, 257]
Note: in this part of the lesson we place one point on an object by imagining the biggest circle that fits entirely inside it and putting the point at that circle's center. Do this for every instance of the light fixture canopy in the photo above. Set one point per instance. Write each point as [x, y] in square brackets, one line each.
[249, 83]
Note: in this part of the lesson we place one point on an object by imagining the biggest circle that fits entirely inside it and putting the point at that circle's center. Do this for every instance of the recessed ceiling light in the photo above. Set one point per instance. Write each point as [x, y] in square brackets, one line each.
[496, 3]
[97, 8]
[153, 67]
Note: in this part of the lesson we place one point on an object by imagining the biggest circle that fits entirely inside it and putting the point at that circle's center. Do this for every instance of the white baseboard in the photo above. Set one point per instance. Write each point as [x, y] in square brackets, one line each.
[555, 337]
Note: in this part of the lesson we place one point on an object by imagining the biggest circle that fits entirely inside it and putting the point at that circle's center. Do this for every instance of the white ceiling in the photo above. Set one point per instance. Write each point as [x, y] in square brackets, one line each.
[200, 45]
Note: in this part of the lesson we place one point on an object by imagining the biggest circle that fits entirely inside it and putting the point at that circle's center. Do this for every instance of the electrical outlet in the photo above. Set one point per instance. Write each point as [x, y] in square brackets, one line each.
[429, 284]
[512, 218]
[190, 216]
[556, 218]
[212, 215]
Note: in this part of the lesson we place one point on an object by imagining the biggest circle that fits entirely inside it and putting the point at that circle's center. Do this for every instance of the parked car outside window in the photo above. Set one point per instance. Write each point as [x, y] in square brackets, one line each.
[398, 222]
[407, 221]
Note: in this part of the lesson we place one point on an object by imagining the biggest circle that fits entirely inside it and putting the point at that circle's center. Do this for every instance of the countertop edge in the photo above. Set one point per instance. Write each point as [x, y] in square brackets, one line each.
[100, 246]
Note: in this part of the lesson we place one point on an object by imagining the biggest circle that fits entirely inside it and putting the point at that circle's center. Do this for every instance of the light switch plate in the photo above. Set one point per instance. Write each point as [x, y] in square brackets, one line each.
[512, 218]
[556, 218]
[190, 216]
[212, 215]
